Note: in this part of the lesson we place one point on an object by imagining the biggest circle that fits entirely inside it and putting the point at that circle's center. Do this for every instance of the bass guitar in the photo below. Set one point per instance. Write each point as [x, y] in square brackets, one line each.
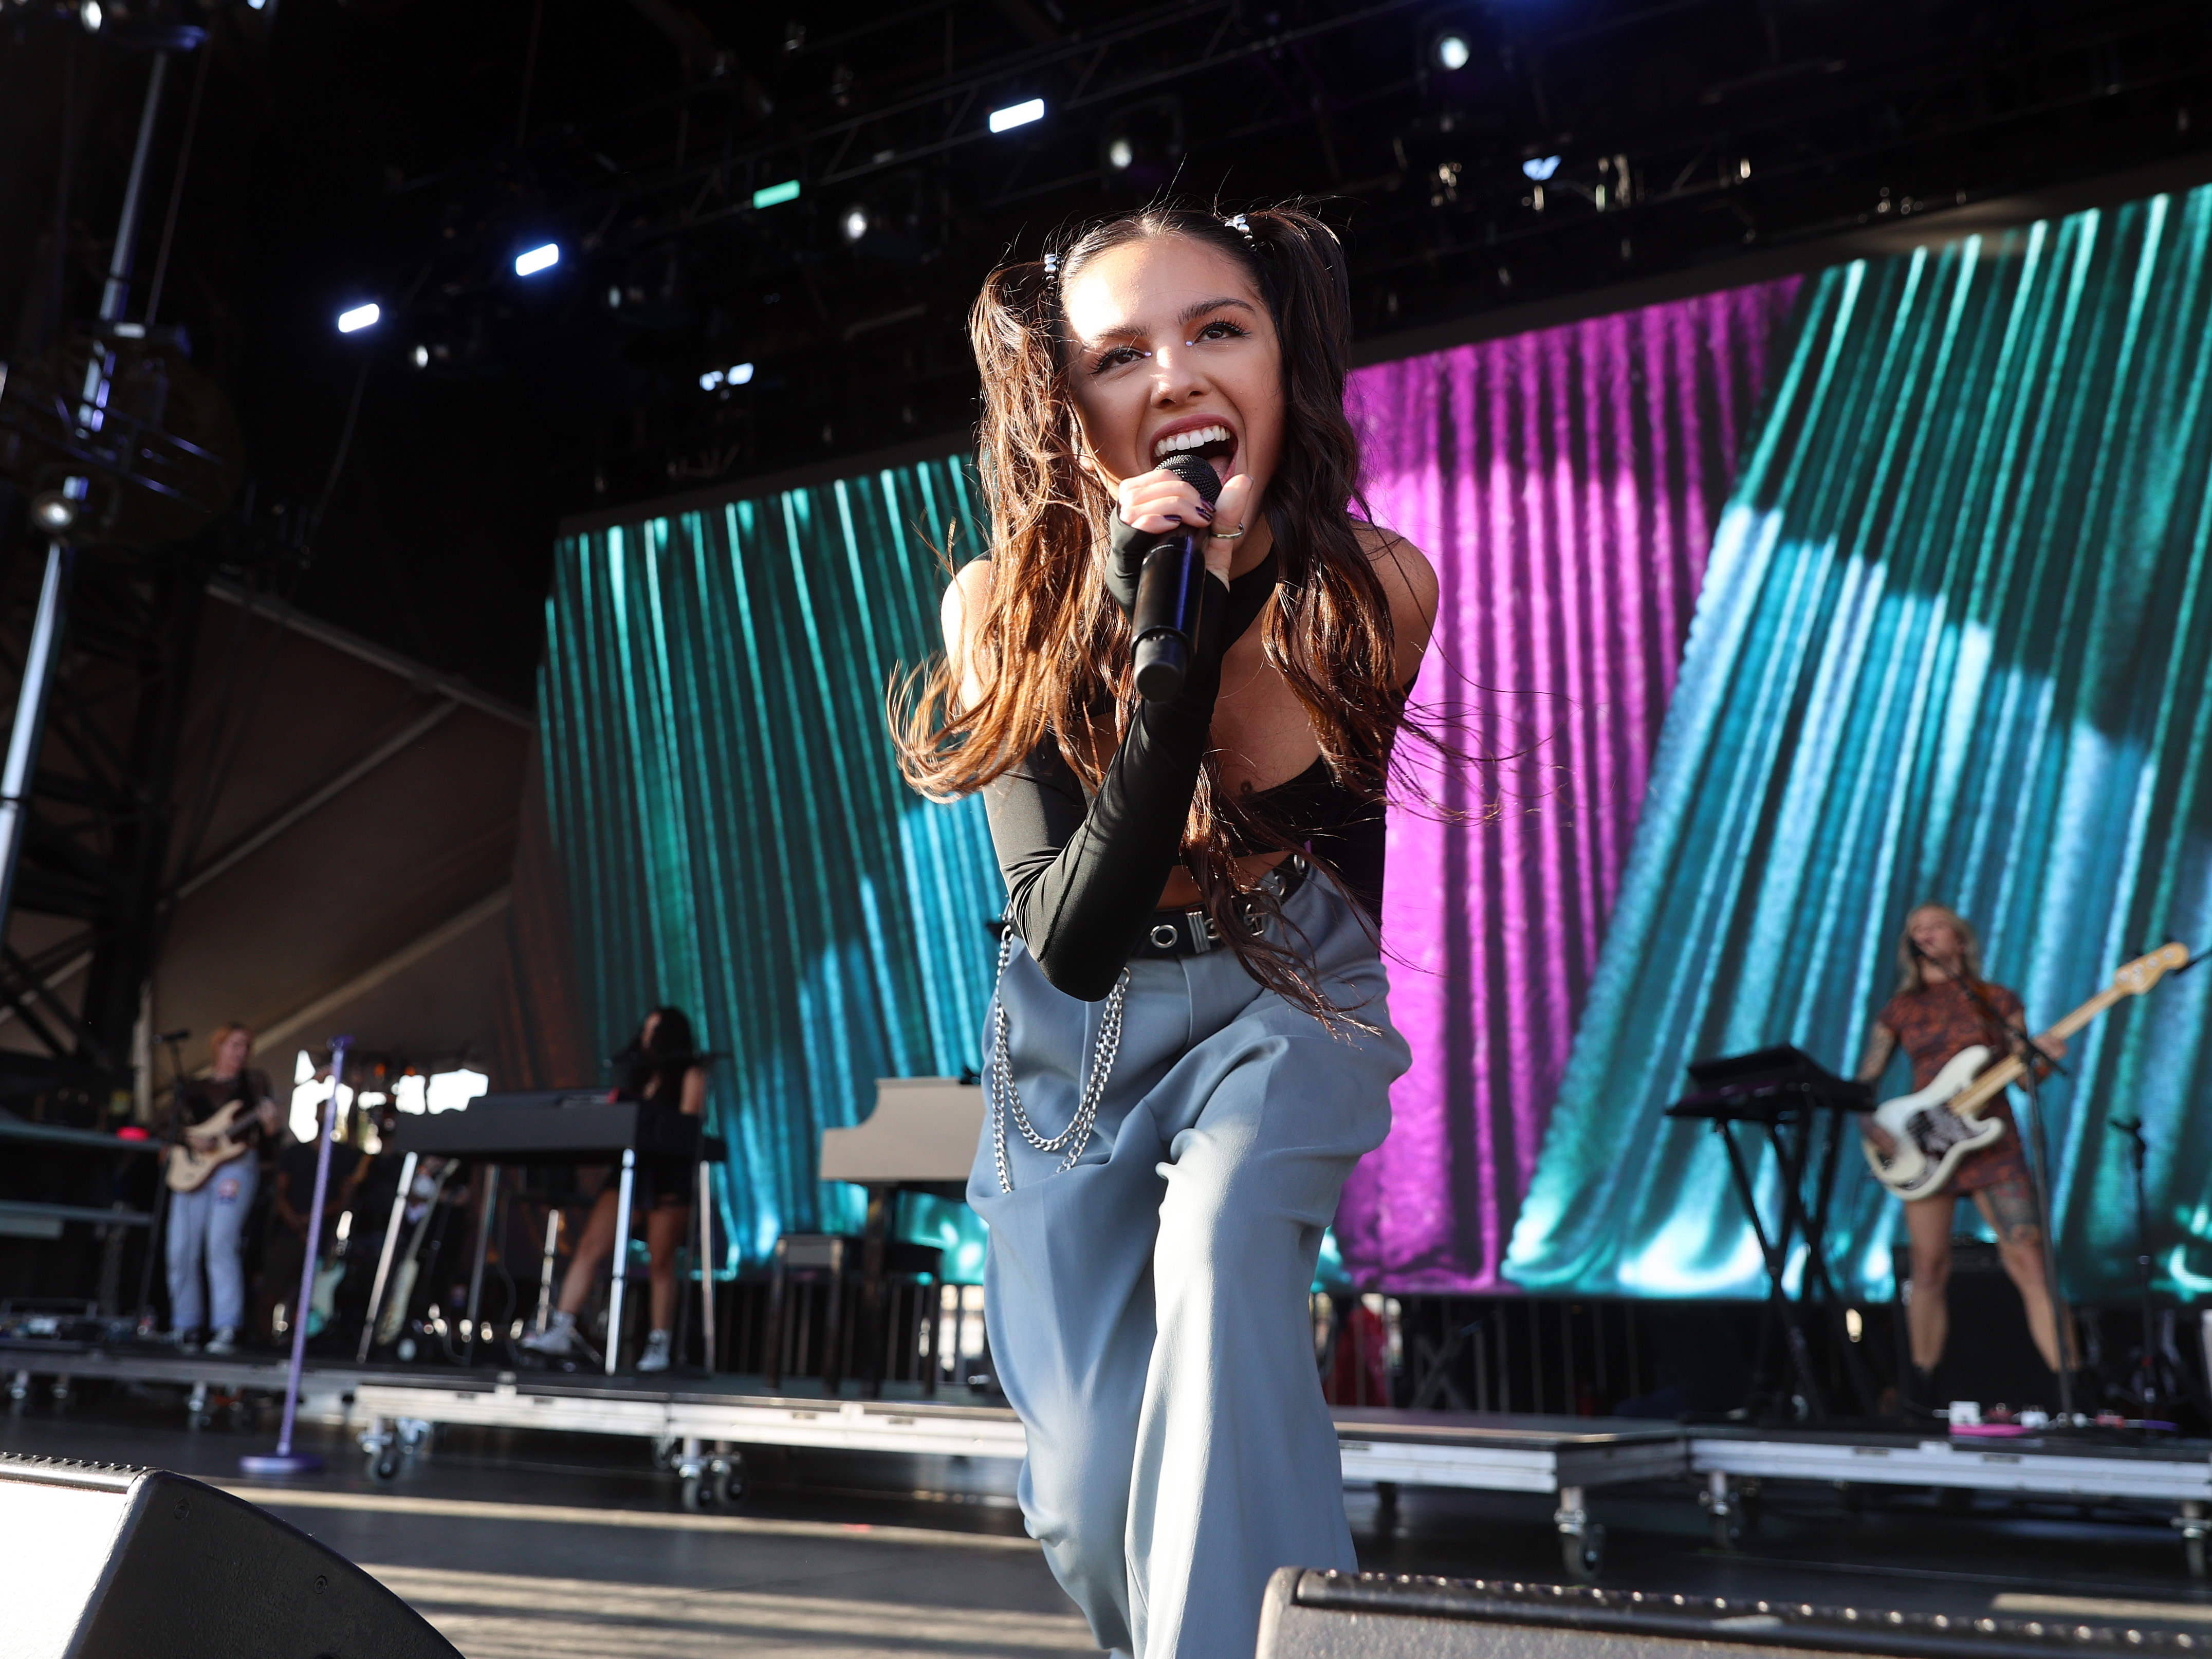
[1935, 1127]
[205, 1147]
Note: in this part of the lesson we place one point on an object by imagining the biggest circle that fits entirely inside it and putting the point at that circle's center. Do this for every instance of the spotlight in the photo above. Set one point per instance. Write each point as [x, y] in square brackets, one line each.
[715, 379]
[769, 195]
[53, 513]
[710, 380]
[90, 14]
[1141, 143]
[1540, 168]
[1452, 52]
[537, 259]
[1014, 115]
[422, 356]
[740, 373]
[361, 316]
[854, 223]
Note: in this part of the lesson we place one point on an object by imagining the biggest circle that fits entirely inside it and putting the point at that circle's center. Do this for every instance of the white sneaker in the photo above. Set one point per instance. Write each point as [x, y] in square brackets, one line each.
[557, 1340]
[655, 1356]
[222, 1342]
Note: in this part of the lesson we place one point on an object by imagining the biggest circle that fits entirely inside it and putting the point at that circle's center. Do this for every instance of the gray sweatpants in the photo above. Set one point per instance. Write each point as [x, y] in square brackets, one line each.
[1147, 1308]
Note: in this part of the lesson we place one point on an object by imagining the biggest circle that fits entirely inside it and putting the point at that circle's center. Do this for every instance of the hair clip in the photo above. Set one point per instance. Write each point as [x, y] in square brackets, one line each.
[1242, 227]
[1052, 268]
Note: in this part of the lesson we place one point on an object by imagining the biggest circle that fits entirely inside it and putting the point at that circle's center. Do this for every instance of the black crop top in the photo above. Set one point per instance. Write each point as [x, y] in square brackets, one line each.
[1083, 875]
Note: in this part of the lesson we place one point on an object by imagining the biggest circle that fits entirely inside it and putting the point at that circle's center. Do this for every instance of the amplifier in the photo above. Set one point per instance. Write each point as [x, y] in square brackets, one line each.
[101, 1562]
[1333, 1615]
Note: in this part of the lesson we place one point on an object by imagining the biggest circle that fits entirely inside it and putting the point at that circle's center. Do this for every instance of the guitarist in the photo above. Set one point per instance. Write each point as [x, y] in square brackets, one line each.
[1933, 1015]
[207, 1225]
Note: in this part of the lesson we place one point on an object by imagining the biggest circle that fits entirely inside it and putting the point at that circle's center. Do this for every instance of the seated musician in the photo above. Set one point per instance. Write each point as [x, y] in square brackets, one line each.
[663, 1070]
[226, 1114]
[1933, 1017]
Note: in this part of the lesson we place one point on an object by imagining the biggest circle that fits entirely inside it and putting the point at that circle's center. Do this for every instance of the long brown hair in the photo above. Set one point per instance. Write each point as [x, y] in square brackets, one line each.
[1051, 650]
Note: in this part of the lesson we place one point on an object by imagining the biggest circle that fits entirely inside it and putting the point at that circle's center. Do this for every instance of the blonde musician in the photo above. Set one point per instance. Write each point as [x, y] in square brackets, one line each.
[1933, 1016]
[225, 1116]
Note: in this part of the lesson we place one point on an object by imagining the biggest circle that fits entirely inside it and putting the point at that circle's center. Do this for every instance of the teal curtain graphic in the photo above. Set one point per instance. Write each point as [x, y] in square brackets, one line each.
[1952, 644]
[735, 835]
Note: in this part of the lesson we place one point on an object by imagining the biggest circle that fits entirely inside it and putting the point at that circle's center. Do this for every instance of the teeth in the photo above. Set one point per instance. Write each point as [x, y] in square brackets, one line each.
[1192, 440]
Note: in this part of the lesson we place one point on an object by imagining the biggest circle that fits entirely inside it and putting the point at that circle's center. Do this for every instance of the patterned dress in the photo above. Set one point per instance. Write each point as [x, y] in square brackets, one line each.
[1933, 1023]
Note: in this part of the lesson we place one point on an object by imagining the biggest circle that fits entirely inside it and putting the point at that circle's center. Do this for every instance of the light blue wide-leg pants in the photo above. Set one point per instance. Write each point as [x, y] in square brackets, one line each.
[1147, 1308]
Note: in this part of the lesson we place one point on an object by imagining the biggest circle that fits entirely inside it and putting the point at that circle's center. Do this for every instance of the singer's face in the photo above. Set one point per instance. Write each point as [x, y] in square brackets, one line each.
[1171, 348]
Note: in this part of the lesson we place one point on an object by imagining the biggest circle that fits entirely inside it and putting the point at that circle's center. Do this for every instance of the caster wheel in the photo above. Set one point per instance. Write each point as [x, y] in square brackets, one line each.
[731, 1488]
[1583, 1556]
[385, 1466]
[663, 1453]
[1727, 1530]
[698, 1496]
[2192, 1551]
[200, 1420]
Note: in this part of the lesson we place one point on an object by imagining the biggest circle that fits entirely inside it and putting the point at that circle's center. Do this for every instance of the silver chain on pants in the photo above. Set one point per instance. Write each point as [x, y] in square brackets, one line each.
[1007, 1101]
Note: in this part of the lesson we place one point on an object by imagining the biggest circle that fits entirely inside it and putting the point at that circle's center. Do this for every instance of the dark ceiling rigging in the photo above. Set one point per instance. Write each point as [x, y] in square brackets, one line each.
[771, 219]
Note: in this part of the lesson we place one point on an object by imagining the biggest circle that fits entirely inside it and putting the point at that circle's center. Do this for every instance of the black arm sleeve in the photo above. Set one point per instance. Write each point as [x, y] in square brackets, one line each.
[1083, 879]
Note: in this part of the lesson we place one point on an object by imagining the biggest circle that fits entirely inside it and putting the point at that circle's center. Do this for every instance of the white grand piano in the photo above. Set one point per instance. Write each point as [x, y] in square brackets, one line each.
[922, 1137]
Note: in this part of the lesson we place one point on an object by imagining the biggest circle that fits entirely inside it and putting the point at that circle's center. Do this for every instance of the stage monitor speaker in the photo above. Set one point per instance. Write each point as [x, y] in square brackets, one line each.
[1336, 1615]
[101, 1562]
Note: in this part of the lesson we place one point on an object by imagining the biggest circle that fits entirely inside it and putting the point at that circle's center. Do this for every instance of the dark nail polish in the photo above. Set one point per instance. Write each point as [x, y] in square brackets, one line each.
[1206, 512]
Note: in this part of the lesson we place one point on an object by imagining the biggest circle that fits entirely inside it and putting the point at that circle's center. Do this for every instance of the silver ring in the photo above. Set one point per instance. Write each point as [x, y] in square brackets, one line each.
[1228, 535]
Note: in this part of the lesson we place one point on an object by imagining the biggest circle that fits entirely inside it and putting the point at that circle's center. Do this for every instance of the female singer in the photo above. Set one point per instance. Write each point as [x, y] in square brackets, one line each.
[662, 1069]
[1189, 1046]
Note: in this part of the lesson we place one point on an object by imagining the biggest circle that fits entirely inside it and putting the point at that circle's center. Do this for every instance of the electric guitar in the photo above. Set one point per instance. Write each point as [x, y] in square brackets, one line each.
[1935, 1127]
[205, 1147]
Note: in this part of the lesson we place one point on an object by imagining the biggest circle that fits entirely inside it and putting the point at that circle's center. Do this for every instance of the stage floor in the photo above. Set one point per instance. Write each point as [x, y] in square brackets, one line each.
[518, 1541]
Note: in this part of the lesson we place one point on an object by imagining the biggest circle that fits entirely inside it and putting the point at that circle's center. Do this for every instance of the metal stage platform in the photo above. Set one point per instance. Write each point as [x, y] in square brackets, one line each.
[699, 1428]
[2055, 1467]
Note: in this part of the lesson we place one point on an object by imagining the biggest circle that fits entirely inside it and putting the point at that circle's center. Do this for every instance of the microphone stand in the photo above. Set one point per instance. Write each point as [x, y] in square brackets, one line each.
[2038, 1170]
[2147, 1369]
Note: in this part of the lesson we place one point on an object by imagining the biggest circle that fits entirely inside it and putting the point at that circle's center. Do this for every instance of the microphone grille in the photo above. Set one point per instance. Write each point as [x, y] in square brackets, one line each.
[1198, 474]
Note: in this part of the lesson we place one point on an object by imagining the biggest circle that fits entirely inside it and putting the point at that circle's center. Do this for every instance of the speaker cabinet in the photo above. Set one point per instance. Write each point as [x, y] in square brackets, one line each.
[1333, 1615]
[98, 1562]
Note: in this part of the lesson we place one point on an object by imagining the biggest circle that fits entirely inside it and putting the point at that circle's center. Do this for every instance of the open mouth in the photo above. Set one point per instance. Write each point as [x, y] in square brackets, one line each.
[1214, 444]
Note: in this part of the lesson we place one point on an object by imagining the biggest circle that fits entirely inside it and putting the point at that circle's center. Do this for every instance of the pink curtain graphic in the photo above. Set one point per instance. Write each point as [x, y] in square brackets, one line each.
[1566, 483]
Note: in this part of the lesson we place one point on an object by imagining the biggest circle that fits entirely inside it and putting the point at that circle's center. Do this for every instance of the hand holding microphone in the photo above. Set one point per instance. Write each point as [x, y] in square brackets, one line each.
[1183, 506]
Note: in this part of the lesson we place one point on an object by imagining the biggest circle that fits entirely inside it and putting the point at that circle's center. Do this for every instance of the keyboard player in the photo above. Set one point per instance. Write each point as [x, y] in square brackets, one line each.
[662, 1069]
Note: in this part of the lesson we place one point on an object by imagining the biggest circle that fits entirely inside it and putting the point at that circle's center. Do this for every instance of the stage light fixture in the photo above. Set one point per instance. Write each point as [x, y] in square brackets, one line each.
[1452, 50]
[768, 196]
[422, 356]
[90, 14]
[1017, 115]
[1540, 168]
[537, 259]
[740, 373]
[1120, 154]
[361, 316]
[711, 380]
[854, 223]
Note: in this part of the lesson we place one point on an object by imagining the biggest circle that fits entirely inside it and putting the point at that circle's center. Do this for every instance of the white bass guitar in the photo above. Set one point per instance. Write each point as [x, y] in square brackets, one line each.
[1935, 1127]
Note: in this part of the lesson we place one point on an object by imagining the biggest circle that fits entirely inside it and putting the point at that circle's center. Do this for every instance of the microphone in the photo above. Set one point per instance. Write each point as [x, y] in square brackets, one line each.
[1171, 593]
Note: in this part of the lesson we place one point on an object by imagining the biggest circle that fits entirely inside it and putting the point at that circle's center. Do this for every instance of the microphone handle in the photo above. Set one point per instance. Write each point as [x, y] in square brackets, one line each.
[1164, 623]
